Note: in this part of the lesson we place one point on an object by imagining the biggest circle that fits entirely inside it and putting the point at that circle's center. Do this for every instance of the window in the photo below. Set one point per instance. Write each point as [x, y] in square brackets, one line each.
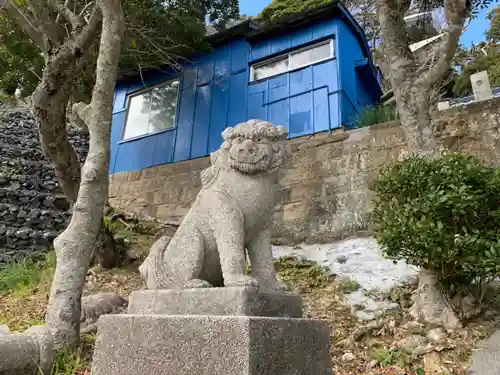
[151, 111]
[293, 60]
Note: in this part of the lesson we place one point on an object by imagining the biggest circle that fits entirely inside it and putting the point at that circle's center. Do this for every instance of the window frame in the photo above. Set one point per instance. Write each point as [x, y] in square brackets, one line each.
[289, 55]
[141, 92]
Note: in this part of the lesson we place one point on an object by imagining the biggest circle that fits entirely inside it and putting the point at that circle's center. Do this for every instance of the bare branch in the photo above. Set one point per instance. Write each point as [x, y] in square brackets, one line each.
[75, 20]
[4, 5]
[86, 37]
[82, 13]
[456, 12]
[24, 22]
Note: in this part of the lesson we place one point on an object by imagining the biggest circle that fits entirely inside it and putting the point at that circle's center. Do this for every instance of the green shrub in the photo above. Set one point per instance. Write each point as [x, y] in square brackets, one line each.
[375, 115]
[442, 215]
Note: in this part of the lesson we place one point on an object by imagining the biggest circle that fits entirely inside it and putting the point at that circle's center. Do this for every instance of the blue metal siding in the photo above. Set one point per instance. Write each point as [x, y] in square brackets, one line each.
[185, 118]
[295, 39]
[218, 113]
[298, 100]
[212, 96]
[201, 128]
[363, 95]
[350, 50]
[215, 92]
[354, 76]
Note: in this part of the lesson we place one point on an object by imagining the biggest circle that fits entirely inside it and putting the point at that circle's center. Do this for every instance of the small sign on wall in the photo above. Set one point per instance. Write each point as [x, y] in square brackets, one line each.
[481, 86]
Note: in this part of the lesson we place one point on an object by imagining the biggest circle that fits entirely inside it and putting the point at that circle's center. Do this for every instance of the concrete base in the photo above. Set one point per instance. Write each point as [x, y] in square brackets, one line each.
[211, 345]
[247, 301]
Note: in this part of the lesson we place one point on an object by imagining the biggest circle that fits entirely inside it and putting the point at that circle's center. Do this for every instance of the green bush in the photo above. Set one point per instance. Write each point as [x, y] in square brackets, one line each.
[375, 115]
[442, 215]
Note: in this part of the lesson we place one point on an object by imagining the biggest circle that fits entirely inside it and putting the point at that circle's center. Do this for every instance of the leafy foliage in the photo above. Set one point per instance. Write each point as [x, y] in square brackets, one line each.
[283, 8]
[157, 33]
[442, 215]
[20, 59]
[493, 32]
[484, 56]
[477, 62]
[377, 114]
[363, 11]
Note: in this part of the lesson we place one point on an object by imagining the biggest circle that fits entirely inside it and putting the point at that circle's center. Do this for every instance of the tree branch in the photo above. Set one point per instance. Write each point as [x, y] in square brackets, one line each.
[75, 20]
[53, 34]
[24, 22]
[390, 14]
[88, 34]
[455, 12]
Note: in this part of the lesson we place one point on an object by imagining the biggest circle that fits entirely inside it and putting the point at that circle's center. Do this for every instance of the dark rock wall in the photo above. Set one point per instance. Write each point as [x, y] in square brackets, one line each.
[33, 209]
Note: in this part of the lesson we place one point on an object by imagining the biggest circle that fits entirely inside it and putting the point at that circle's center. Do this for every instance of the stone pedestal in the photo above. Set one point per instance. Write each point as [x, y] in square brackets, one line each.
[28, 353]
[246, 301]
[215, 331]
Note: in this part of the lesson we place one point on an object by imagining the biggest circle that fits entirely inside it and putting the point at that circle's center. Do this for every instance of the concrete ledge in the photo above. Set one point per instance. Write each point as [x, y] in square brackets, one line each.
[211, 345]
[238, 301]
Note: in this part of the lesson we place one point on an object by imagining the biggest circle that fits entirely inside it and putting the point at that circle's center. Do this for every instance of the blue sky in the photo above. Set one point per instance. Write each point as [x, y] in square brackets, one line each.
[474, 32]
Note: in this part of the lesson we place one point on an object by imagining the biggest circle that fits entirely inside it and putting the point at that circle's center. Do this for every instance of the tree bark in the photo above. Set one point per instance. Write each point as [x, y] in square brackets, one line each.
[411, 81]
[49, 102]
[74, 247]
[431, 305]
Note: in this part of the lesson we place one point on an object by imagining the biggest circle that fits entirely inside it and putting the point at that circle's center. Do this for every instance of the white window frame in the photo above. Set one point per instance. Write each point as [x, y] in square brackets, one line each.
[141, 92]
[289, 55]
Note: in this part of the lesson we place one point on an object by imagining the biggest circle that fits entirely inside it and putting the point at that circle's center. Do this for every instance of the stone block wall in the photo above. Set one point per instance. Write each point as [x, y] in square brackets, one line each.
[324, 190]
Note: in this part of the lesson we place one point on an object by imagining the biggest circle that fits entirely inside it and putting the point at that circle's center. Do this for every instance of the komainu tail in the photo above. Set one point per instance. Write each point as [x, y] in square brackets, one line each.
[95, 305]
[152, 270]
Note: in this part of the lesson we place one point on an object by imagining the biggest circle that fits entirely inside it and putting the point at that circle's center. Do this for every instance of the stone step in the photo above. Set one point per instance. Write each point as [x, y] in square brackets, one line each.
[31, 199]
[17, 244]
[37, 219]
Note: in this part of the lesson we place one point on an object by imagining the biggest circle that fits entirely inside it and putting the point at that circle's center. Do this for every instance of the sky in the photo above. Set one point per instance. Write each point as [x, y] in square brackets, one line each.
[473, 34]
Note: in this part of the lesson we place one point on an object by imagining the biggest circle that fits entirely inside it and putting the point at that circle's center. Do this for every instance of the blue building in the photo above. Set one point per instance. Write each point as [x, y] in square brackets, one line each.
[311, 72]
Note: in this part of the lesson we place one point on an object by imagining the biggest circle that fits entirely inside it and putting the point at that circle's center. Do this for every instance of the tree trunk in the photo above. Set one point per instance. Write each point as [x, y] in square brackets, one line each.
[49, 102]
[412, 102]
[74, 247]
[107, 251]
[430, 303]
[414, 114]
[50, 99]
[413, 81]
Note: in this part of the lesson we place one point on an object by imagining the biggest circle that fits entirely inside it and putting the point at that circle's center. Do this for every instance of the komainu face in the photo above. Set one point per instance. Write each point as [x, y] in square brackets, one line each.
[254, 146]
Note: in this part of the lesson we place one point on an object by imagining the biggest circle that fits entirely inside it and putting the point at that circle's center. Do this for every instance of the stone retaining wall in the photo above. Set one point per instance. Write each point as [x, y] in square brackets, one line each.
[33, 210]
[324, 193]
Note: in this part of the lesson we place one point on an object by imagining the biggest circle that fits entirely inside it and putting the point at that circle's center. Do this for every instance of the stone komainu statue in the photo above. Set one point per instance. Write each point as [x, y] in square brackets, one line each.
[232, 212]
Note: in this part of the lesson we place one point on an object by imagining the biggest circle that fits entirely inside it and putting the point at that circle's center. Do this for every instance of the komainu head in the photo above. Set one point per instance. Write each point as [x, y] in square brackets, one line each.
[254, 146]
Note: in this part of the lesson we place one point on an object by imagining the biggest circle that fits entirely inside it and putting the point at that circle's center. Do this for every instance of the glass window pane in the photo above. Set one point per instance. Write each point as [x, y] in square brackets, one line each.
[310, 56]
[270, 69]
[163, 107]
[137, 116]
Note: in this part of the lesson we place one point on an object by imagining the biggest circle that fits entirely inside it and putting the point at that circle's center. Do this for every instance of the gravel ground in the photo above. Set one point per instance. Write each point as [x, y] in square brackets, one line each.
[357, 258]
